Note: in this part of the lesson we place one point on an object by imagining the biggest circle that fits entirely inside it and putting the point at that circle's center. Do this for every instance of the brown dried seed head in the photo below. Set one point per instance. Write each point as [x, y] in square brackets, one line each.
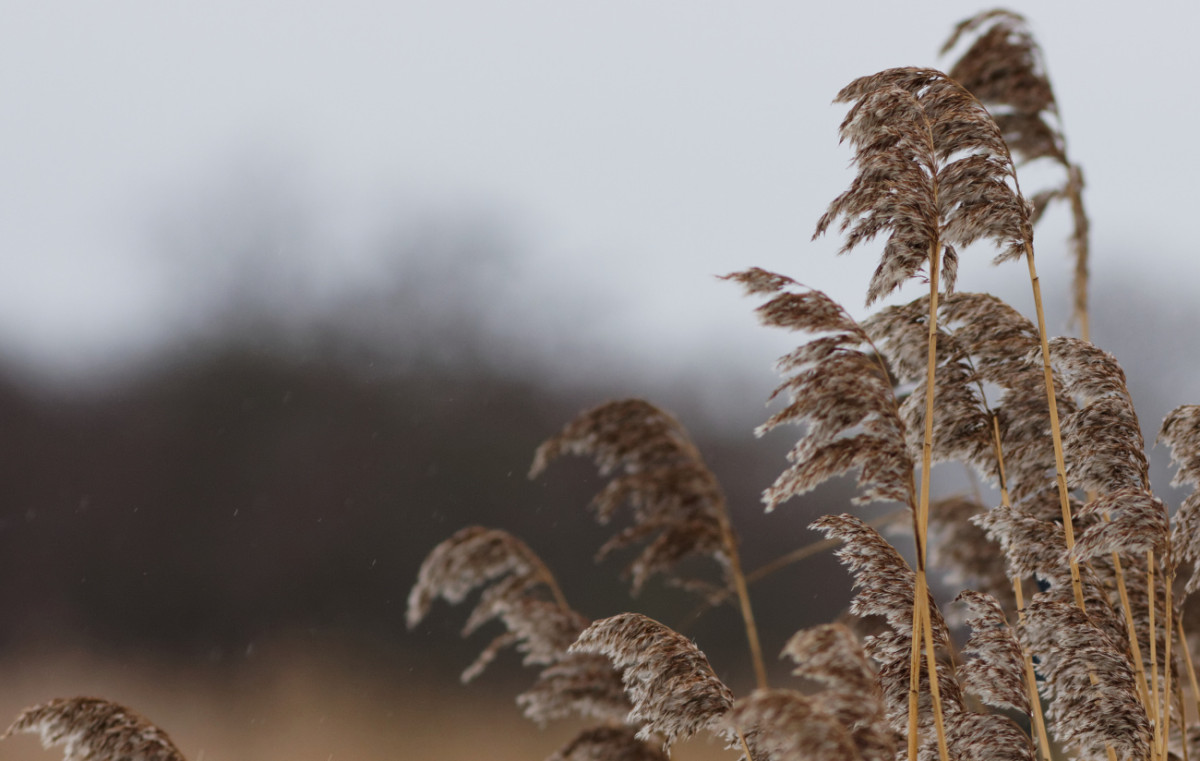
[934, 171]
[608, 744]
[838, 390]
[669, 681]
[93, 728]
[676, 500]
[995, 669]
[784, 725]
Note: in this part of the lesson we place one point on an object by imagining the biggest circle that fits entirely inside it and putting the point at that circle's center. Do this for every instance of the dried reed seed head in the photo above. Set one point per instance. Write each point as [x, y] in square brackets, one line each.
[539, 629]
[1003, 68]
[577, 684]
[1031, 547]
[838, 389]
[1138, 524]
[995, 669]
[1097, 582]
[1102, 440]
[93, 728]
[984, 737]
[806, 309]
[513, 578]
[933, 171]
[473, 557]
[1086, 371]
[894, 681]
[1086, 677]
[832, 655]
[964, 550]
[1181, 432]
[884, 581]
[668, 680]
[1104, 449]
[631, 434]
[676, 500]
[785, 725]
[607, 744]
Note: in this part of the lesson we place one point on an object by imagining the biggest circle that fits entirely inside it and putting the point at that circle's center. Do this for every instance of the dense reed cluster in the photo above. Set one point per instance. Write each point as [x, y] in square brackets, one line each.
[1076, 646]
[1073, 644]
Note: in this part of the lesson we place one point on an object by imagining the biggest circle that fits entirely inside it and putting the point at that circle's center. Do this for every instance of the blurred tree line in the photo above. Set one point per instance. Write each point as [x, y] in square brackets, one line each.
[281, 470]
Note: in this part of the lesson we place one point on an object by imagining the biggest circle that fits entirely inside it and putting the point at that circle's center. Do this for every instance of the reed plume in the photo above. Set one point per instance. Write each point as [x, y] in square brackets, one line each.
[512, 577]
[785, 725]
[608, 744]
[1088, 682]
[831, 656]
[838, 390]
[668, 680]
[1181, 432]
[94, 729]
[993, 671]
[674, 496]
[1003, 66]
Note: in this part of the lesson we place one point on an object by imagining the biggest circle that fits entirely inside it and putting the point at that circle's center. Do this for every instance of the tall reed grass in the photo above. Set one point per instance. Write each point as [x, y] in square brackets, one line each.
[1076, 646]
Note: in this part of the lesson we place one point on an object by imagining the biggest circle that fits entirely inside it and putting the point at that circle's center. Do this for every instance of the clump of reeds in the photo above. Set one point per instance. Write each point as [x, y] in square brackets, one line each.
[1077, 647]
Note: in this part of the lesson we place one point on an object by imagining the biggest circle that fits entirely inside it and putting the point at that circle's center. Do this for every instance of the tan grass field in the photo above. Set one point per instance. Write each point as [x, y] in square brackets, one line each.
[295, 705]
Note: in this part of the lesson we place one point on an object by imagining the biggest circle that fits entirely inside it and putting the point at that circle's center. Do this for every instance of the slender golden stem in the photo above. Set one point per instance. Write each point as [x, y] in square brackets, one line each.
[1154, 693]
[1035, 702]
[745, 745]
[935, 690]
[739, 583]
[920, 531]
[1181, 720]
[1134, 647]
[1060, 467]
[1169, 631]
[914, 675]
[1191, 667]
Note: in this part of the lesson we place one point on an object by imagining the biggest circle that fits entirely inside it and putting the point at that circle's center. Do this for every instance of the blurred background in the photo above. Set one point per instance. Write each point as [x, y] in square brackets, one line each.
[291, 292]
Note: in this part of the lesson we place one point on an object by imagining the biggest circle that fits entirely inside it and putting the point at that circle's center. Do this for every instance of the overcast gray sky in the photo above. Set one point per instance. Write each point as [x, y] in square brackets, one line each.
[634, 149]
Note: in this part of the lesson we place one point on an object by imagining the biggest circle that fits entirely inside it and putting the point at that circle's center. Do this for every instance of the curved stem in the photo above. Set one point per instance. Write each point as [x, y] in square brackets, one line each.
[739, 584]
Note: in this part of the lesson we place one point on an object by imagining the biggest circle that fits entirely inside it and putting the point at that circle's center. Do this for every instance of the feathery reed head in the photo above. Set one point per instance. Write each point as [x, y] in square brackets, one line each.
[994, 670]
[669, 681]
[837, 387]
[884, 581]
[608, 744]
[1181, 432]
[1003, 68]
[1089, 681]
[675, 497]
[90, 729]
[785, 725]
[933, 173]
[512, 577]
